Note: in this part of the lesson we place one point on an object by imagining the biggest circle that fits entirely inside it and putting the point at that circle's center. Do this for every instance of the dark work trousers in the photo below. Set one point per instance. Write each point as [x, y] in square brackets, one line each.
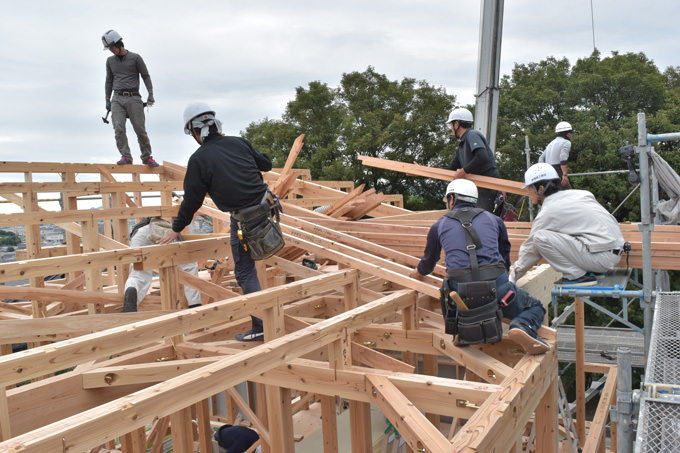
[244, 269]
[522, 309]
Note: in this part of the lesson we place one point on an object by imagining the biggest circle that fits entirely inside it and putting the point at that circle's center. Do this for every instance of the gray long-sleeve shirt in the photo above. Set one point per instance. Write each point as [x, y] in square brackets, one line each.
[122, 73]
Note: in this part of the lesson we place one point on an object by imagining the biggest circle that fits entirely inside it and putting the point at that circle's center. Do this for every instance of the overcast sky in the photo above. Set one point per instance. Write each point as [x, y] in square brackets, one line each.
[246, 58]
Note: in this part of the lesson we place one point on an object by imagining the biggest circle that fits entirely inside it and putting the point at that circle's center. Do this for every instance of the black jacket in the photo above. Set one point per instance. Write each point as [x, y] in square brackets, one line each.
[229, 170]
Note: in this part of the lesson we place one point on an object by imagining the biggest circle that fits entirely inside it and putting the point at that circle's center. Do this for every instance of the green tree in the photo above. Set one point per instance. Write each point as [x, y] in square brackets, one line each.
[601, 98]
[368, 114]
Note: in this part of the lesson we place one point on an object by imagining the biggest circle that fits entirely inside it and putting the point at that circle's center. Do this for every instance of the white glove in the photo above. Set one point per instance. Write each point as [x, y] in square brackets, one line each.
[511, 277]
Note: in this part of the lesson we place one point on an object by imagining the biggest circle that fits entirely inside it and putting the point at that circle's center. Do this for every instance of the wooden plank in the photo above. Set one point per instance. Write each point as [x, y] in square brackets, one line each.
[483, 365]
[486, 182]
[405, 417]
[598, 426]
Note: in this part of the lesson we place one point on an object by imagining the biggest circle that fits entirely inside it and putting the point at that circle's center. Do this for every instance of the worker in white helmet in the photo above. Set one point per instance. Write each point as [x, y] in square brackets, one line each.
[123, 70]
[473, 156]
[477, 257]
[572, 232]
[229, 169]
[557, 152]
[146, 232]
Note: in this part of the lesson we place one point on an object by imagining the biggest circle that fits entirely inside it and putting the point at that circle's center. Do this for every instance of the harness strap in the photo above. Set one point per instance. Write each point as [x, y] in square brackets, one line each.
[465, 216]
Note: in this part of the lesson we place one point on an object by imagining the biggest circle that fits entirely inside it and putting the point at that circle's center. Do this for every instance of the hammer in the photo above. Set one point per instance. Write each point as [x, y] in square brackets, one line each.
[106, 118]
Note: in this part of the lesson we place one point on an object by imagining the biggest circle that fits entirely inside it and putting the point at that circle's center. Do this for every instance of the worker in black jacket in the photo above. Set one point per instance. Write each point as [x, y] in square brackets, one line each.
[229, 170]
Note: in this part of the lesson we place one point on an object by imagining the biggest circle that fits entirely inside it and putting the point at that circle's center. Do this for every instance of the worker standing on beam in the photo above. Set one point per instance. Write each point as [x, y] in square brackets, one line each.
[572, 232]
[473, 156]
[477, 257]
[229, 170]
[123, 70]
[557, 152]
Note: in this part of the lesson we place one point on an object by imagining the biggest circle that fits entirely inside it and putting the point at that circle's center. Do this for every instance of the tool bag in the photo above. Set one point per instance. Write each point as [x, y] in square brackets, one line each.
[482, 321]
[258, 227]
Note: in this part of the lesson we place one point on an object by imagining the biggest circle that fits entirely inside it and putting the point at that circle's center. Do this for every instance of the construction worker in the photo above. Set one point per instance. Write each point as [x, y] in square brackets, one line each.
[557, 152]
[147, 232]
[477, 260]
[123, 69]
[572, 231]
[229, 170]
[473, 156]
[236, 438]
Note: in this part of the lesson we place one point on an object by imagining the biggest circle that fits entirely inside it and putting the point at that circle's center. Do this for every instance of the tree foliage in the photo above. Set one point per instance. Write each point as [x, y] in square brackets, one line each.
[368, 114]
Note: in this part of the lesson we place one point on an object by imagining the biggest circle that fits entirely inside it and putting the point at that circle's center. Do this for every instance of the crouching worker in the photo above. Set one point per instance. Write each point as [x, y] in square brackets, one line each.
[477, 257]
[148, 232]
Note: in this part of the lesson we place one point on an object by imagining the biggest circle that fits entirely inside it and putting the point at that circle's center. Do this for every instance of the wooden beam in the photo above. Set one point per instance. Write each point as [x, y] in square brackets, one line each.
[405, 417]
[88, 428]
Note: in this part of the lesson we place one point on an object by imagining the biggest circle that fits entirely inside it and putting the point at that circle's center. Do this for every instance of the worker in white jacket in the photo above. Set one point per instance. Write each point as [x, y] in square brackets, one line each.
[148, 232]
[572, 231]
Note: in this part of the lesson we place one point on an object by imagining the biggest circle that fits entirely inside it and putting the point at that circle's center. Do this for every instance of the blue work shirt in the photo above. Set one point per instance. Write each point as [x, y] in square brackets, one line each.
[449, 234]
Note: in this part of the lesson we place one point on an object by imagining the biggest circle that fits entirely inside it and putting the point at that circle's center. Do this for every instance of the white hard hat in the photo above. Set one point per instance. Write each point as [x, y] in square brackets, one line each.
[460, 114]
[563, 126]
[110, 37]
[198, 115]
[539, 172]
[463, 189]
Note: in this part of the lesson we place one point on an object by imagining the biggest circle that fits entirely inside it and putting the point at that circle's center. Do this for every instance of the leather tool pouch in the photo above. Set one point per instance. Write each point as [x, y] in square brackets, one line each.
[261, 233]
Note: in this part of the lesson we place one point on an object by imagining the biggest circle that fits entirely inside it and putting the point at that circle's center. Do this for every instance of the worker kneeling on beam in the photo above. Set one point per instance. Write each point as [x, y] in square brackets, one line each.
[477, 257]
[573, 232]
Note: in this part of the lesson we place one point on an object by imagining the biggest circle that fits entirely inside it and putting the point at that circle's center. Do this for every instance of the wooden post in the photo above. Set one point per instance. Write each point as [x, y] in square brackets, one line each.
[579, 313]
[546, 421]
[5, 432]
[93, 276]
[278, 398]
[33, 244]
[329, 424]
[182, 432]
[204, 429]
[72, 240]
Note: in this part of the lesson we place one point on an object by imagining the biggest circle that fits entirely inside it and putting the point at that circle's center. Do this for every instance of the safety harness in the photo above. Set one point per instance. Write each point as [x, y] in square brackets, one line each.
[482, 321]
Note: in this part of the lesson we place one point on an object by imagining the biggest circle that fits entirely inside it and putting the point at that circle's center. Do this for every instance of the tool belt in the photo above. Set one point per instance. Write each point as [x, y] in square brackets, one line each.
[476, 286]
[258, 227]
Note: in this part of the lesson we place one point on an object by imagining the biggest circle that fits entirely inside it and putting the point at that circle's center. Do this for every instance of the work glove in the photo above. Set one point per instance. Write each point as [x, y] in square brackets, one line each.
[512, 278]
[108, 104]
[150, 100]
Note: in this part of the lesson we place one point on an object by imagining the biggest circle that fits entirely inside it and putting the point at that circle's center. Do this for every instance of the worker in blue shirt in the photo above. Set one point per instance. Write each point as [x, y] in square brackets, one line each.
[488, 260]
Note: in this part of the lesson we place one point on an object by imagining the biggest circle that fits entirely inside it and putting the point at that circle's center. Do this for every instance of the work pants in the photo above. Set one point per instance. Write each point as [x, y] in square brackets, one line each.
[141, 280]
[569, 255]
[123, 107]
[244, 269]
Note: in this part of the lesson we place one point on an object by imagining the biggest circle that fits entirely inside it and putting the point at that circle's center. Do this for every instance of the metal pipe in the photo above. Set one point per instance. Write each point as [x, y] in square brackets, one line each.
[651, 138]
[624, 401]
[608, 172]
[646, 227]
[604, 291]
[527, 152]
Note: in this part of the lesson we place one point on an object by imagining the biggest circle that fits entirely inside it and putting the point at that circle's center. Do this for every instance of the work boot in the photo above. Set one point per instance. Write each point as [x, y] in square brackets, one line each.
[124, 161]
[150, 162]
[531, 344]
[588, 279]
[130, 304]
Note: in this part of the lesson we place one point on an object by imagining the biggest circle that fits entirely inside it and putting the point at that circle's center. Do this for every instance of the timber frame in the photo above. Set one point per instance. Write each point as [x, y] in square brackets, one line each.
[356, 328]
